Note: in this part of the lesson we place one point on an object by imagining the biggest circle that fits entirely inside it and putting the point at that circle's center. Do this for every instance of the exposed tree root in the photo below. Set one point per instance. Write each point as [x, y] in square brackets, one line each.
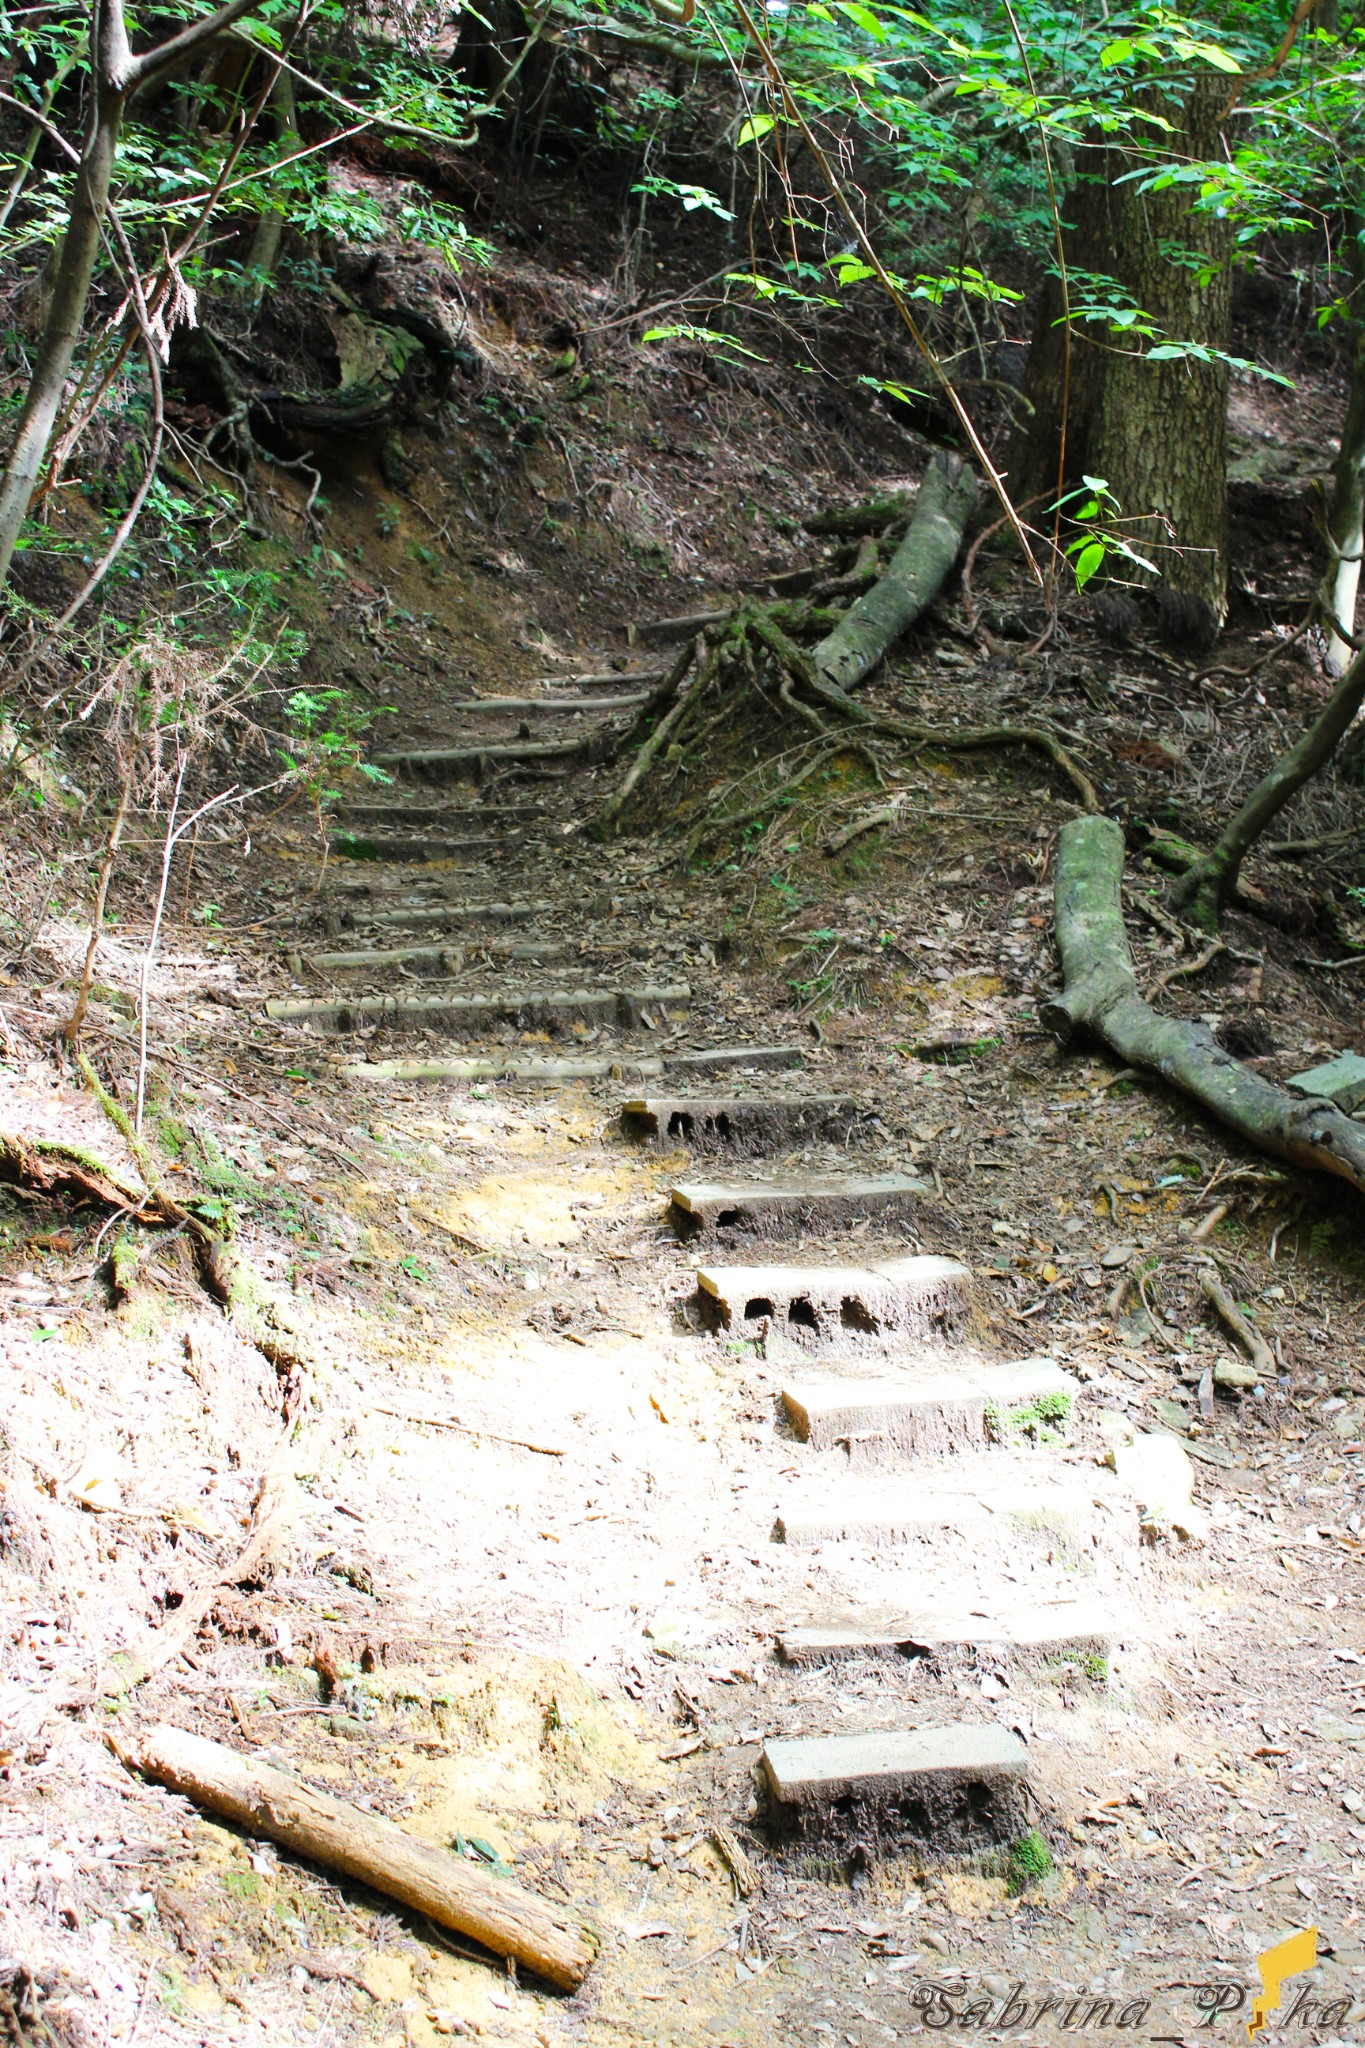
[746, 668]
[1100, 995]
[1212, 880]
[913, 579]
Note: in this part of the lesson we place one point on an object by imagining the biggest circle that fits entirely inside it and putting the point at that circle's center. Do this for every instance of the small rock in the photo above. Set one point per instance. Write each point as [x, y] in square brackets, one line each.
[658, 1855]
[1353, 1802]
[1118, 1255]
[998, 1987]
[1239, 1373]
[938, 1942]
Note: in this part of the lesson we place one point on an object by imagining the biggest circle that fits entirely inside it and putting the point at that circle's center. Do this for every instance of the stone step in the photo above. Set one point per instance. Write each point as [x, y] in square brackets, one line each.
[1029, 1632]
[948, 1791]
[436, 764]
[527, 1009]
[620, 1064]
[715, 1123]
[928, 1413]
[832, 1305]
[779, 1208]
[999, 1510]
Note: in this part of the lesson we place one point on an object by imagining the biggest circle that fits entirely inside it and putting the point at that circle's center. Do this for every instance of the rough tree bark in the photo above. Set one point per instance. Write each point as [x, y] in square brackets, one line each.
[1203, 889]
[1346, 514]
[1100, 995]
[1156, 432]
[116, 75]
[265, 243]
[913, 578]
[451, 1890]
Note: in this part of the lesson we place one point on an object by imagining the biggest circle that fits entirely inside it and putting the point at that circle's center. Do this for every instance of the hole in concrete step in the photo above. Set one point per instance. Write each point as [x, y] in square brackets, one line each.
[801, 1313]
[726, 1219]
[680, 1124]
[854, 1315]
[757, 1308]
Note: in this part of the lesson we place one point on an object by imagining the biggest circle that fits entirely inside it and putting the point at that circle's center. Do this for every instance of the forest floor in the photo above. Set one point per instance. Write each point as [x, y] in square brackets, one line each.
[525, 1597]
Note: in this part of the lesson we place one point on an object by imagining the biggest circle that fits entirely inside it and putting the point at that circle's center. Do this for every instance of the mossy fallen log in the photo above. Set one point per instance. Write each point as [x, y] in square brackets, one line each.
[1100, 996]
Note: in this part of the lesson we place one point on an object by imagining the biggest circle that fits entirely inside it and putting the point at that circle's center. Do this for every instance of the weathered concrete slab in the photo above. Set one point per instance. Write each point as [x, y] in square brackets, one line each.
[447, 959]
[439, 816]
[780, 1207]
[461, 913]
[926, 1414]
[824, 1305]
[1341, 1081]
[1002, 1514]
[942, 1790]
[1070, 1629]
[550, 707]
[436, 763]
[724, 1059]
[730, 1123]
[620, 1066]
[397, 848]
[929, 1413]
[526, 1008]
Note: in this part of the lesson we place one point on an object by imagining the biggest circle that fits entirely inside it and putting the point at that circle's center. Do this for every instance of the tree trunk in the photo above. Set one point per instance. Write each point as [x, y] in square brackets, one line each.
[265, 243]
[1100, 995]
[1155, 431]
[1206, 887]
[115, 75]
[66, 311]
[1346, 516]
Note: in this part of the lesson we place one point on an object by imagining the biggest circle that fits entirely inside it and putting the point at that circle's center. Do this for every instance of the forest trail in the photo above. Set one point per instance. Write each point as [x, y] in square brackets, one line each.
[745, 1437]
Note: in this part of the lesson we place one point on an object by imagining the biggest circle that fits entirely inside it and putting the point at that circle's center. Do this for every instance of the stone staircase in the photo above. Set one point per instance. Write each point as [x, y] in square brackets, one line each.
[948, 1525]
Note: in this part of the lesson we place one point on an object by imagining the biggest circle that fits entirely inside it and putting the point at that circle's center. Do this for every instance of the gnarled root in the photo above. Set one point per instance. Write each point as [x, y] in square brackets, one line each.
[1100, 996]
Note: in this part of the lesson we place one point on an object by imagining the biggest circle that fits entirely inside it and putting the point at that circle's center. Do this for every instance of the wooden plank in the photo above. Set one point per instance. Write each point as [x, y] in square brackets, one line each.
[833, 1305]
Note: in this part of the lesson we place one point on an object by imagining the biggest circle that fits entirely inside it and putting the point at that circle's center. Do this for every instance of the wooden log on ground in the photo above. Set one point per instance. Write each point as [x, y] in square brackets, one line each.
[453, 1891]
[1100, 995]
[913, 579]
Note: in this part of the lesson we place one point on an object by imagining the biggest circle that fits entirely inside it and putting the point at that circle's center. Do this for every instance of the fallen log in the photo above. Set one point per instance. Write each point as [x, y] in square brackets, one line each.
[913, 579]
[1100, 995]
[453, 1891]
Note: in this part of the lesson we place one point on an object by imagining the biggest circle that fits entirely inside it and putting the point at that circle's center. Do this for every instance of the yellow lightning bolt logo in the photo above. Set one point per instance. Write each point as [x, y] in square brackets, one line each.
[1298, 1952]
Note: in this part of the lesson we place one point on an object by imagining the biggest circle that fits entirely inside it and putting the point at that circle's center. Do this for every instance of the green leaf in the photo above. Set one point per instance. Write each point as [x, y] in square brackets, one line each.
[1088, 561]
[757, 125]
[862, 17]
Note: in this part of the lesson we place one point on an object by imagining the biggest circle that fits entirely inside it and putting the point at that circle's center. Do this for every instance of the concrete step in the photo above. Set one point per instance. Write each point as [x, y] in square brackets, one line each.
[440, 764]
[929, 1413]
[456, 913]
[837, 1306]
[1027, 1632]
[716, 1123]
[397, 848]
[620, 1064]
[994, 1508]
[778, 1208]
[527, 1009]
[548, 707]
[941, 1791]
[457, 820]
[437, 959]
[735, 1059]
